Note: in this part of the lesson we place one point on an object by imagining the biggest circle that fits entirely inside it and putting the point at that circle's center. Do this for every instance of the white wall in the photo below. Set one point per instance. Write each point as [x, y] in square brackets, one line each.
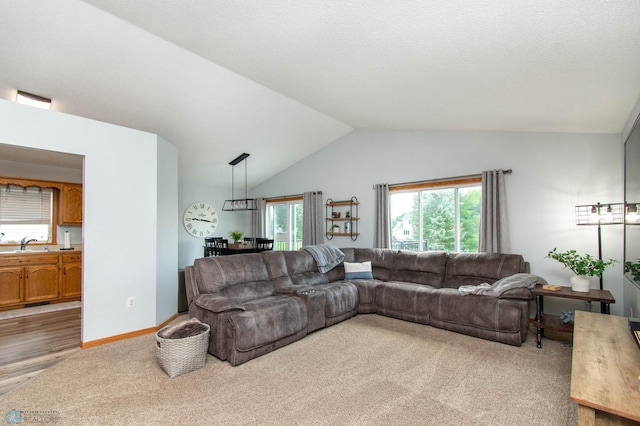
[166, 231]
[552, 173]
[191, 248]
[120, 212]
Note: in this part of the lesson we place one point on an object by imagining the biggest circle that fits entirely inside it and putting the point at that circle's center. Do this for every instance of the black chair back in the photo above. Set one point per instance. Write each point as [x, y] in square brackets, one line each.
[263, 244]
[209, 247]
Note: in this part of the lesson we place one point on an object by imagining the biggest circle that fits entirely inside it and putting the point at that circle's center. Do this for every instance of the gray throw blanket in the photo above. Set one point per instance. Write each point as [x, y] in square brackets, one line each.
[496, 289]
[326, 256]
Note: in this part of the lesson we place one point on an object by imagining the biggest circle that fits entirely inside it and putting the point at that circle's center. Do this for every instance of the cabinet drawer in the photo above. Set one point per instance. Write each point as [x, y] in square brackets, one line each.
[72, 258]
[28, 259]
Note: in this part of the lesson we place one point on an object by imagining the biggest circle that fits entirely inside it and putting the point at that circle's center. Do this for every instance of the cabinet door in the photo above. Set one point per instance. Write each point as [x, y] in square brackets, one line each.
[41, 283]
[71, 281]
[70, 204]
[11, 285]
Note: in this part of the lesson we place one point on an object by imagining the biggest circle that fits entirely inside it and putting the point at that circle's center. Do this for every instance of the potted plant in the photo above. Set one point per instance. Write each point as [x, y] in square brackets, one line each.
[584, 266]
[236, 235]
[335, 228]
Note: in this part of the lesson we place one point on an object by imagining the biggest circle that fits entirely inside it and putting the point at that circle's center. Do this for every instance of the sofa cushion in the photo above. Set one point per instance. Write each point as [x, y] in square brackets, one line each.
[361, 271]
[478, 268]
[382, 261]
[240, 277]
[474, 311]
[420, 268]
[303, 269]
[340, 297]
[266, 321]
[407, 301]
[277, 268]
[216, 303]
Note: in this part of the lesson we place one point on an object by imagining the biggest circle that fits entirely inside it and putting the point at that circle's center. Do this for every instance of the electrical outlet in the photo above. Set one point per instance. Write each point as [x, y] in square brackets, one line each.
[131, 302]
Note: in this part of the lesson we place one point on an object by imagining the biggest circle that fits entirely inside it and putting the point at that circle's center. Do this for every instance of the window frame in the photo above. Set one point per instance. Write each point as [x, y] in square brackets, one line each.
[449, 183]
[56, 186]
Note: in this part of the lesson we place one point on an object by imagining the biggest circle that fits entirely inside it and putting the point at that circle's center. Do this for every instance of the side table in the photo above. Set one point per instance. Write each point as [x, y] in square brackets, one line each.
[553, 322]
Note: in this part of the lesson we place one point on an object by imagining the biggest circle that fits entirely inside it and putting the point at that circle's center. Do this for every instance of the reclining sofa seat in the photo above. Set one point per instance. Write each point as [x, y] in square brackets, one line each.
[296, 273]
[235, 296]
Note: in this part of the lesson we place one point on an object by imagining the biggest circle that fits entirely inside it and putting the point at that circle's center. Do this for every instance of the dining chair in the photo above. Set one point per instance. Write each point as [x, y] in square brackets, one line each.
[263, 244]
[209, 247]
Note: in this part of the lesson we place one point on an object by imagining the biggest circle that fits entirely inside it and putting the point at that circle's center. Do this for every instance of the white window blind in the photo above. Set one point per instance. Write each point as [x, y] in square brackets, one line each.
[25, 212]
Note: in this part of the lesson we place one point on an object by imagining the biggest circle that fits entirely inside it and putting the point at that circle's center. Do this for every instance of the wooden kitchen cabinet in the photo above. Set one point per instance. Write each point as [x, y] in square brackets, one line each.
[70, 204]
[41, 283]
[11, 288]
[27, 278]
[71, 275]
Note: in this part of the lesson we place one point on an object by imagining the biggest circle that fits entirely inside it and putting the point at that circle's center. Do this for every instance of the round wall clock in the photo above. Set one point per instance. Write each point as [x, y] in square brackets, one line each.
[200, 220]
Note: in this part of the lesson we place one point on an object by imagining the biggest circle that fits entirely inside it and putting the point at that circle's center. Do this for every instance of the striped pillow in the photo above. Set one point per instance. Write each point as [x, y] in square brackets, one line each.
[358, 271]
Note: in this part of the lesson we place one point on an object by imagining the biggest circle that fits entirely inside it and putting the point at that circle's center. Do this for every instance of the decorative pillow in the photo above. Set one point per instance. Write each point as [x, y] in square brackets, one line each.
[358, 271]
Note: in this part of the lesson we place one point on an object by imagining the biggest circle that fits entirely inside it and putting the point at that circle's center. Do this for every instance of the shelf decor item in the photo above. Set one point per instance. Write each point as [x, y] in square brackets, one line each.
[342, 226]
[584, 266]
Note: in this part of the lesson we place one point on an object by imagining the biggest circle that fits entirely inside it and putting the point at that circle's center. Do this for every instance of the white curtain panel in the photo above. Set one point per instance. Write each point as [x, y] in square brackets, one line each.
[494, 229]
[259, 219]
[312, 220]
[382, 227]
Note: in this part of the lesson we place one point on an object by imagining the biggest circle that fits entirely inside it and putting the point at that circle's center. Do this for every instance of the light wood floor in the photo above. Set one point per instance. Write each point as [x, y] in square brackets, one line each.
[30, 344]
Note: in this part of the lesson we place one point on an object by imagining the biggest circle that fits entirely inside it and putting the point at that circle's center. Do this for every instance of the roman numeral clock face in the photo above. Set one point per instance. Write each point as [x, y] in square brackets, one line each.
[200, 220]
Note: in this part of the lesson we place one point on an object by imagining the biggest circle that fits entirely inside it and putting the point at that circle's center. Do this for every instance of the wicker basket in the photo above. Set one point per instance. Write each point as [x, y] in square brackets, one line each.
[179, 356]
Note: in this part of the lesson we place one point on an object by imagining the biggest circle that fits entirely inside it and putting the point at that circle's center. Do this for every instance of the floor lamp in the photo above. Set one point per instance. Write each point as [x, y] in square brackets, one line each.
[599, 215]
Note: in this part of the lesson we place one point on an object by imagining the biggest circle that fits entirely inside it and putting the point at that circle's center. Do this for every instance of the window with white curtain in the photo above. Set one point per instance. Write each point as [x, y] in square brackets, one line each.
[26, 212]
[284, 223]
[440, 215]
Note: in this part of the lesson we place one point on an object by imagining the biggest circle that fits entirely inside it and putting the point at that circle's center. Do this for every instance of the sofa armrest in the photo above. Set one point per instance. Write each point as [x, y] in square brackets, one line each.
[216, 303]
[522, 293]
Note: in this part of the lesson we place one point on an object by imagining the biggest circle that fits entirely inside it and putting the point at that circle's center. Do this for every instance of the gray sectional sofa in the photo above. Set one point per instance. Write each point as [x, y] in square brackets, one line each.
[256, 303]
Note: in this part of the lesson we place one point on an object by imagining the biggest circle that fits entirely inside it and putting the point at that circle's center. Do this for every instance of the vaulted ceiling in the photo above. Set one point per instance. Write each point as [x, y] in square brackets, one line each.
[280, 79]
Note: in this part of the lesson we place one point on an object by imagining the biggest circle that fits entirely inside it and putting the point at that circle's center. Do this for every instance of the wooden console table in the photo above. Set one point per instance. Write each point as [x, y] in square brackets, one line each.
[553, 322]
[604, 370]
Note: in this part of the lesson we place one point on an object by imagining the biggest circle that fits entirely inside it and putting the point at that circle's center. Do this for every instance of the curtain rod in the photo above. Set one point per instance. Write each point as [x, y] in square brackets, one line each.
[506, 172]
[291, 196]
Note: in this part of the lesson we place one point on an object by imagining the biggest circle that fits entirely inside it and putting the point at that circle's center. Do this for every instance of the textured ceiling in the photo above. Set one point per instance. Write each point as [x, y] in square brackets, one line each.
[281, 79]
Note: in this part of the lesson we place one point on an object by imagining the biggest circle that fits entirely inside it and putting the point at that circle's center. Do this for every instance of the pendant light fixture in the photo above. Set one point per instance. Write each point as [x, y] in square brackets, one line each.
[239, 204]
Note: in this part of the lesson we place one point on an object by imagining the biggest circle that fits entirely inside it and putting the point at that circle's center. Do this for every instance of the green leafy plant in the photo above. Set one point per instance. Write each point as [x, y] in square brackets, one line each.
[236, 235]
[634, 269]
[581, 264]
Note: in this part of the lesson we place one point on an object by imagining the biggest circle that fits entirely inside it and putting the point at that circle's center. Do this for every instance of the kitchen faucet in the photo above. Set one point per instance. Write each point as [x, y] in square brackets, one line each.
[24, 242]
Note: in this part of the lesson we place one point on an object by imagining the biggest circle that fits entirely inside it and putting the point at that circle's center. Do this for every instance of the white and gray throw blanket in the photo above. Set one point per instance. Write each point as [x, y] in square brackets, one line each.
[496, 289]
[326, 256]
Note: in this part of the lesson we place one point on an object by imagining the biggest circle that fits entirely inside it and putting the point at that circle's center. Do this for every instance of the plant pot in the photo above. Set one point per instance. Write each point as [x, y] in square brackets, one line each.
[580, 283]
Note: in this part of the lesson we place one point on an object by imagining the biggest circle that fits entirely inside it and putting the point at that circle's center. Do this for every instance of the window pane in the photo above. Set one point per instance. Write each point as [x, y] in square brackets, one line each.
[297, 227]
[438, 218]
[470, 200]
[285, 225]
[405, 221]
[26, 212]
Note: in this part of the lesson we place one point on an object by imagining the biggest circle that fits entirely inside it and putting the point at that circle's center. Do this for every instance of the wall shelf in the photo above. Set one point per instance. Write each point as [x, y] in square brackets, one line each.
[339, 225]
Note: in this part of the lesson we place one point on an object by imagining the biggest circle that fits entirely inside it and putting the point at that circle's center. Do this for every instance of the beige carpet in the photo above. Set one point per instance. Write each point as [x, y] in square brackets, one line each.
[367, 370]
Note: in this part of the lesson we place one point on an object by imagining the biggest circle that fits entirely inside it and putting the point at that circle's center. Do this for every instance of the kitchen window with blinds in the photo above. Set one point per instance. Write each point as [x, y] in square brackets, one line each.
[25, 212]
